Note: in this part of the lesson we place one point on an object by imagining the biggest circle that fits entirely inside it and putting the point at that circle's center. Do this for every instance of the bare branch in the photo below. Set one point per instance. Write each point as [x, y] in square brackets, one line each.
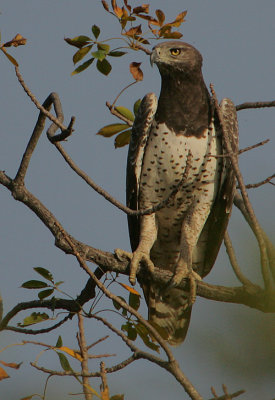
[257, 229]
[253, 146]
[233, 260]
[256, 104]
[258, 184]
[84, 361]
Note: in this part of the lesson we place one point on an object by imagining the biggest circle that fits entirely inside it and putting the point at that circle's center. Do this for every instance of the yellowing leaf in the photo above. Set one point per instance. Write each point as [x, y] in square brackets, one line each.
[12, 60]
[123, 138]
[125, 112]
[136, 71]
[129, 288]
[78, 41]
[179, 19]
[81, 53]
[3, 374]
[71, 352]
[112, 129]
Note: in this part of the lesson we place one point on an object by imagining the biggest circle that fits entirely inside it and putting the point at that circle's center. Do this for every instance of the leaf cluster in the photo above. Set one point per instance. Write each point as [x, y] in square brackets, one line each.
[133, 36]
[48, 288]
[122, 130]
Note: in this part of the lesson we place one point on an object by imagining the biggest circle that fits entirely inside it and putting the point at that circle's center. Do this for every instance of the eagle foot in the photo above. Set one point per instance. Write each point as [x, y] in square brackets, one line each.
[138, 257]
[122, 254]
[193, 277]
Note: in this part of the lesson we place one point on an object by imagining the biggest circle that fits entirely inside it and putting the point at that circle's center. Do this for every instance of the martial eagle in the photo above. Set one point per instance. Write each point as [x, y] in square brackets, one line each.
[185, 235]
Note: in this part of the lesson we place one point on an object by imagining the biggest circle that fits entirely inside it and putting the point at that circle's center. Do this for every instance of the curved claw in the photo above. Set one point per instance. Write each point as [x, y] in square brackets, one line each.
[138, 257]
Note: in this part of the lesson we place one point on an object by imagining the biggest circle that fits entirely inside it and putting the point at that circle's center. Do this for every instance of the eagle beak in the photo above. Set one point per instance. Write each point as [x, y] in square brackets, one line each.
[153, 57]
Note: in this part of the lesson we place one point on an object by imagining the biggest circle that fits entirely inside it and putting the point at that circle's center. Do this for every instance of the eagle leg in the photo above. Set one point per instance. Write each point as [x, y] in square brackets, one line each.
[190, 232]
[148, 235]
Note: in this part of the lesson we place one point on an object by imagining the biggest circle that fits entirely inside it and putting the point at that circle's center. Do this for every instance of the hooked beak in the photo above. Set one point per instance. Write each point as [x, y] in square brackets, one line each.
[153, 57]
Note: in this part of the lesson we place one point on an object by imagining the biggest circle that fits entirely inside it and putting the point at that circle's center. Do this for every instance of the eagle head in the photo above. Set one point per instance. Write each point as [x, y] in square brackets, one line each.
[176, 55]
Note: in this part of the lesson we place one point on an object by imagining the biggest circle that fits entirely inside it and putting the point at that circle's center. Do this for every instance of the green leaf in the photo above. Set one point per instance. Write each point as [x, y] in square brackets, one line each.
[130, 330]
[45, 273]
[134, 301]
[78, 41]
[83, 66]
[125, 112]
[112, 129]
[45, 293]
[115, 303]
[59, 342]
[117, 53]
[34, 318]
[64, 362]
[123, 138]
[104, 47]
[104, 66]
[99, 54]
[136, 106]
[96, 31]
[144, 335]
[33, 284]
[81, 53]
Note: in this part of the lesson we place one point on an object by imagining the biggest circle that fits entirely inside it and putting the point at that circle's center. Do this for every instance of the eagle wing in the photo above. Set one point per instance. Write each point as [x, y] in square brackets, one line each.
[213, 232]
[140, 132]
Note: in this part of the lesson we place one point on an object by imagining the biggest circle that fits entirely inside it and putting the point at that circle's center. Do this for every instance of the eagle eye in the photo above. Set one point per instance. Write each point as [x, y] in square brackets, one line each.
[175, 52]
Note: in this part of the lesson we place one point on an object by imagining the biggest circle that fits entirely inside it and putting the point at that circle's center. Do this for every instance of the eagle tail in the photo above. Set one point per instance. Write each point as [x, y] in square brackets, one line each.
[169, 310]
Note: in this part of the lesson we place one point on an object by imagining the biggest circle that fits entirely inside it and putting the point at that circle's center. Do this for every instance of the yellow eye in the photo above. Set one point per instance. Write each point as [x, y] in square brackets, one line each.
[175, 52]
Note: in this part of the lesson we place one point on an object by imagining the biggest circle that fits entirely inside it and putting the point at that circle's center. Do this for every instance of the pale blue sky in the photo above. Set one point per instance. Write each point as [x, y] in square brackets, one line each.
[236, 40]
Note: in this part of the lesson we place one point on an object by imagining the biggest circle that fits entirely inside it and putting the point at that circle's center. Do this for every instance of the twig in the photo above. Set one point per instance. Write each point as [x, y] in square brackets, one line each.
[234, 163]
[104, 385]
[258, 184]
[233, 260]
[97, 342]
[225, 396]
[239, 203]
[119, 94]
[256, 104]
[254, 146]
[116, 113]
[84, 354]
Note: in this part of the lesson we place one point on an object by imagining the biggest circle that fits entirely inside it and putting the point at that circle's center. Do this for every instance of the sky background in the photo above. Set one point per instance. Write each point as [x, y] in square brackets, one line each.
[226, 343]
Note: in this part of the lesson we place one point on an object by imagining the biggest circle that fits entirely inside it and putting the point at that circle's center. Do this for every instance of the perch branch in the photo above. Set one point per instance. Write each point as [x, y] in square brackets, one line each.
[234, 163]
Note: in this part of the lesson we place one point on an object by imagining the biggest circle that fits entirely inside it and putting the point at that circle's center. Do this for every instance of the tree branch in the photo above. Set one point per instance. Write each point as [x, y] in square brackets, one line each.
[235, 166]
[256, 104]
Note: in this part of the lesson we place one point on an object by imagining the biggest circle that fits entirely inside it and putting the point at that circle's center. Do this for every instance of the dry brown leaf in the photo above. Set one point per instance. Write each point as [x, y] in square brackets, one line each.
[11, 365]
[135, 30]
[161, 16]
[140, 9]
[117, 10]
[71, 352]
[136, 71]
[18, 40]
[105, 5]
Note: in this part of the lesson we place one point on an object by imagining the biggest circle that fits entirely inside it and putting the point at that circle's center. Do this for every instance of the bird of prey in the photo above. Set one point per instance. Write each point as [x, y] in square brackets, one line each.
[177, 133]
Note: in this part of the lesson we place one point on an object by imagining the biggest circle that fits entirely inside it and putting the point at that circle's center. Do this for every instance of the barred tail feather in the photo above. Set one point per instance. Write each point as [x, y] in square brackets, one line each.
[169, 309]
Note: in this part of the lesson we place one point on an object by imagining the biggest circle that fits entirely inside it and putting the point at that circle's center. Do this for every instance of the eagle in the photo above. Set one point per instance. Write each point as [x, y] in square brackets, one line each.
[177, 141]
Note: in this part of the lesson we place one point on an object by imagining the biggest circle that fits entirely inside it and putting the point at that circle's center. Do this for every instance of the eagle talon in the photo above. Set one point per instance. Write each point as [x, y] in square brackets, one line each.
[137, 258]
[122, 254]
